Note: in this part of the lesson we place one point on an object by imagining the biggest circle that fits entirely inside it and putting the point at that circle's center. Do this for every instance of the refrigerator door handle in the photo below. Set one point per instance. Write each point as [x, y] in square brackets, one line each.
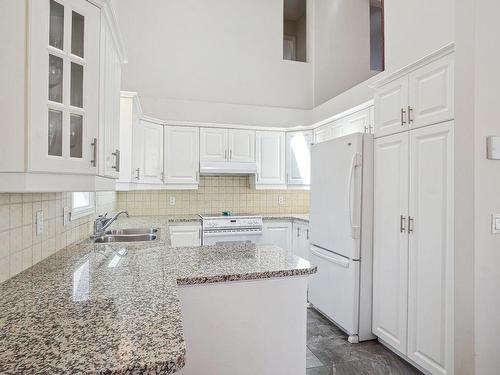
[342, 263]
[356, 161]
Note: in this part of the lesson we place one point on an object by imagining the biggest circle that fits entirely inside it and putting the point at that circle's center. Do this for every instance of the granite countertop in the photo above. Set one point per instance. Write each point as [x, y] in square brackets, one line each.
[114, 308]
[196, 218]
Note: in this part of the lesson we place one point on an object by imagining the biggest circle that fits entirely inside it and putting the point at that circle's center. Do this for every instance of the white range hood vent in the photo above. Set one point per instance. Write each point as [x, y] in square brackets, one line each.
[217, 168]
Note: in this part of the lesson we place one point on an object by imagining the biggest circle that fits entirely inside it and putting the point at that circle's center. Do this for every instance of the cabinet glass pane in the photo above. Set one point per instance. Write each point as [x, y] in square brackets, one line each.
[77, 34]
[76, 85]
[75, 140]
[56, 27]
[55, 133]
[55, 78]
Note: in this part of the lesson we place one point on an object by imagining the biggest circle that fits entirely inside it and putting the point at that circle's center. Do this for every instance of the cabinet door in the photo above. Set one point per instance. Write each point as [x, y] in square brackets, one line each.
[270, 158]
[358, 122]
[153, 153]
[298, 147]
[278, 234]
[430, 281]
[391, 106]
[431, 93]
[390, 241]
[241, 145]
[300, 239]
[323, 133]
[213, 144]
[109, 121]
[63, 86]
[185, 235]
[182, 155]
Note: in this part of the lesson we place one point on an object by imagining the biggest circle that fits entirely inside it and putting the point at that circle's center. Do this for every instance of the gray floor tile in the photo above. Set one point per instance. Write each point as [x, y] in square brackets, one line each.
[329, 344]
[312, 361]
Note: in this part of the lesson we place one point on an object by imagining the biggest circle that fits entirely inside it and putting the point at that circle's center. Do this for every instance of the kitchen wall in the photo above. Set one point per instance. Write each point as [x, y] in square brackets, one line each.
[20, 247]
[214, 195]
[224, 52]
[413, 29]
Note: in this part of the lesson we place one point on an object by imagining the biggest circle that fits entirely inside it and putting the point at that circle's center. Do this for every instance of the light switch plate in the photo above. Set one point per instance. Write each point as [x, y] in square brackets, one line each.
[171, 201]
[66, 216]
[281, 200]
[493, 148]
[495, 223]
[39, 222]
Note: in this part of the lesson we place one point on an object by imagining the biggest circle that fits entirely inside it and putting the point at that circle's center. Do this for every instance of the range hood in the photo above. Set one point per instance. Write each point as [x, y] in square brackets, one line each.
[222, 168]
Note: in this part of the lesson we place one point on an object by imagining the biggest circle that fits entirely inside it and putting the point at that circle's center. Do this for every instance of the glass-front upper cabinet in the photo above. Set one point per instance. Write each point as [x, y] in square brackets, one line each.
[64, 86]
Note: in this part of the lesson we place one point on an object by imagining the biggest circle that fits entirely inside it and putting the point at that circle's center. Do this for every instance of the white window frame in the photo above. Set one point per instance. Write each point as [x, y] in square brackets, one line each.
[79, 212]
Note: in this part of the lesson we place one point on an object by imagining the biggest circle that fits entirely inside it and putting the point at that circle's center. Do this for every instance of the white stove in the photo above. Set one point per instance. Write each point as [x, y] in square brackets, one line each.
[219, 229]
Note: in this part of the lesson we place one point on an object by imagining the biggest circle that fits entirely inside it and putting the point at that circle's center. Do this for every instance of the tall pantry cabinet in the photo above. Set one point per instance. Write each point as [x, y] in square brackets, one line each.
[413, 223]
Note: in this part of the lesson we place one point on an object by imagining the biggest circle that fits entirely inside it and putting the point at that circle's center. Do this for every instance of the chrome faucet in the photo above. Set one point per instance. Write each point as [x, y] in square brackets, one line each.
[102, 223]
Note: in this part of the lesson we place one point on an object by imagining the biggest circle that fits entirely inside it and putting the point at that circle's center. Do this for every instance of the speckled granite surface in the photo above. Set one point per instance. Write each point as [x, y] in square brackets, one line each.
[196, 218]
[114, 308]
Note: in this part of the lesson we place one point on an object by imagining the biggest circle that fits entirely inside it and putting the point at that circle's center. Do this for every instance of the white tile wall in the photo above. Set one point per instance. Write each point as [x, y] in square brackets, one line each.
[21, 247]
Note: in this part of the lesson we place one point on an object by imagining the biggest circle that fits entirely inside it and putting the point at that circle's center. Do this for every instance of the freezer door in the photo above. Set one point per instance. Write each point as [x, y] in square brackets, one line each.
[334, 289]
[336, 177]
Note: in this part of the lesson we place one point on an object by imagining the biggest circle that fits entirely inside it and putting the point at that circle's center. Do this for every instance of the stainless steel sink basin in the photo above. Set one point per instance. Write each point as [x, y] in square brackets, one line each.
[130, 231]
[126, 238]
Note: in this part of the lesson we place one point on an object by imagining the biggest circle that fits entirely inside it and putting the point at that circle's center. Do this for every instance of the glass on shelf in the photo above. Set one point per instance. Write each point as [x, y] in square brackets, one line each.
[56, 25]
[76, 97]
[77, 34]
[55, 78]
[55, 133]
[76, 136]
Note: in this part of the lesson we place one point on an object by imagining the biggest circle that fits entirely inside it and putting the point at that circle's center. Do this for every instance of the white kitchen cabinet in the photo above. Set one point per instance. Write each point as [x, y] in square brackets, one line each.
[270, 156]
[431, 93]
[241, 145]
[227, 145]
[430, 263]
[109, 114]
[278, 233]
[298, 157]
[417, 96]
[182, 156]
[391, 106]
[185, 235]
[413, 245]
[213, 144]
[358, 122]
[54, 123]
[152, 149]
[301, 243]
[323, 133]
[390, 247]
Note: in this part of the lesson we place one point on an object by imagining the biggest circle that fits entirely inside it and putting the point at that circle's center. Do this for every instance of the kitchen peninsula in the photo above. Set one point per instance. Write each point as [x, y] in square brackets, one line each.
[148, 308]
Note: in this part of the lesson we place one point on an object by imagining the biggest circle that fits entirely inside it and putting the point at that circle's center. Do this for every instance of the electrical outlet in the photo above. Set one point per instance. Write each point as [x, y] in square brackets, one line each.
[281, 200]
[39, 222]
[171, 201]
[66, 216]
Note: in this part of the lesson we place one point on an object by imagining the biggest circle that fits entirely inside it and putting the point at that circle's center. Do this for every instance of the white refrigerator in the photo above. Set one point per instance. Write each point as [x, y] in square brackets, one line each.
[341, 230]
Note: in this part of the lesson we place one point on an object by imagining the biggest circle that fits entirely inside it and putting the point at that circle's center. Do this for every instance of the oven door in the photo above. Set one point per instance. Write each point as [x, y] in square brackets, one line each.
[229, 237]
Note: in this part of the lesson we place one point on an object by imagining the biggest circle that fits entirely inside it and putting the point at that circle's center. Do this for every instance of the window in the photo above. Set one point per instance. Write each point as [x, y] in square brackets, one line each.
[83, 204]
[294, 30]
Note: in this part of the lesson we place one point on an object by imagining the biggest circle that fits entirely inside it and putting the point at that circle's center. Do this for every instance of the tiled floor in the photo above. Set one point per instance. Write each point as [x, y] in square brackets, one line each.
[329, 353]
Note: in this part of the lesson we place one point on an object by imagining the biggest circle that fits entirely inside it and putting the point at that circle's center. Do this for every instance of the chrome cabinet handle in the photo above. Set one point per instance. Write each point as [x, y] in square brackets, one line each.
[298, 232]
[411, 221]
[197, 176]
[257, 176]
[116, 154]
[94, 154]
[230, 154]
[402, 224]
[410, 112]
[403, 117]
[307, 234]
[225, 154]
[137, 173]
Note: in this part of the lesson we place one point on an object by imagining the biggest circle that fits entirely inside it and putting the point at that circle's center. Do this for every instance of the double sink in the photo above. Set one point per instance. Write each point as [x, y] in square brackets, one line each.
[128, 235]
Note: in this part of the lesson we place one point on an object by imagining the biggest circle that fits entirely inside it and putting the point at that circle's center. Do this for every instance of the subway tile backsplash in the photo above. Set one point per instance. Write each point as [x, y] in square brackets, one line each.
[21, 247]
[214, 195]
